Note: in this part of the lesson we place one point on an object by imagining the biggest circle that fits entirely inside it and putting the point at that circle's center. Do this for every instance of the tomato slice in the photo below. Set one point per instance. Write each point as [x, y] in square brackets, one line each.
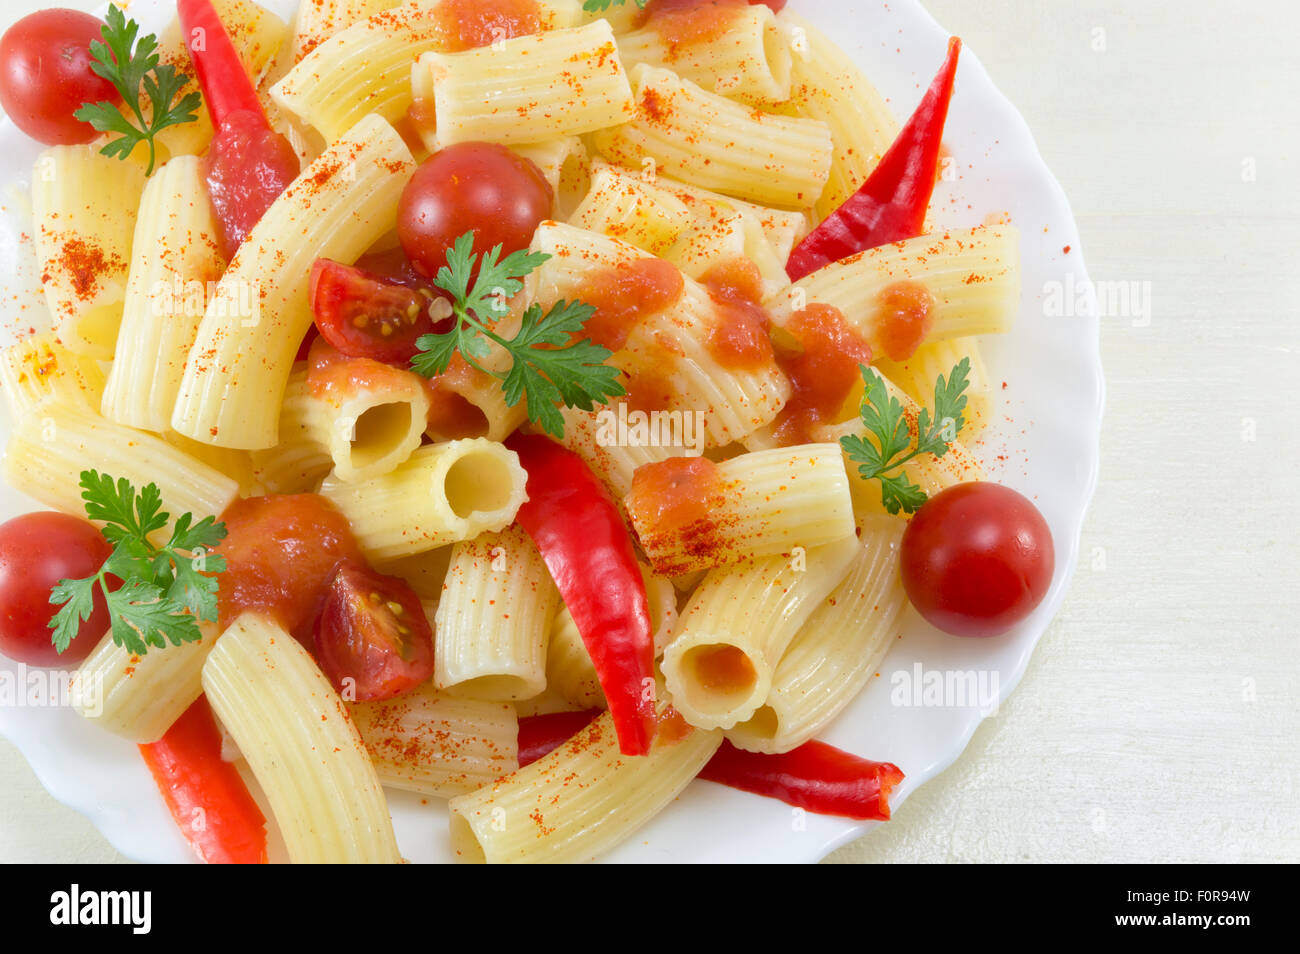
[372, 638]
[368, 315]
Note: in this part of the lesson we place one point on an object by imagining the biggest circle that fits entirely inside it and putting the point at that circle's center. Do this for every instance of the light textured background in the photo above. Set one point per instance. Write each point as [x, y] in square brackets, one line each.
[1159, 718]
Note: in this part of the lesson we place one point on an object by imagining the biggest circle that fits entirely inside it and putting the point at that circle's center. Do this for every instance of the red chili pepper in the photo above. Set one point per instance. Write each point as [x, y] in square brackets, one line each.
[540, 734]
[890, 206]
[206, 795]
[581, 536]
[248, 163]
[815, 776]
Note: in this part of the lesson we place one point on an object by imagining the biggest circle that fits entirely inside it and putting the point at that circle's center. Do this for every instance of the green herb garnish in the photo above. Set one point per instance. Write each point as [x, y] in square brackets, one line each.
[548, 366]
[600, 6]
[165, 591]
[882, 414]
[130, 65]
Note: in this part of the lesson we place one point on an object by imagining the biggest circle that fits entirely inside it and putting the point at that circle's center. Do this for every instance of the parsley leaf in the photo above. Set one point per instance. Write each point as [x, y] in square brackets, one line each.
[548, 366]
[600, 6]
[882, 454]
[166, 590]
[129, 62]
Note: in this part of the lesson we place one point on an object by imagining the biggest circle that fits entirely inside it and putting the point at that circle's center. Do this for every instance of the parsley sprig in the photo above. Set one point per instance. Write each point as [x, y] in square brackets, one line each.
[882, 413]
[130, 62]
[547, 365]
[600, 6]
[165, 589]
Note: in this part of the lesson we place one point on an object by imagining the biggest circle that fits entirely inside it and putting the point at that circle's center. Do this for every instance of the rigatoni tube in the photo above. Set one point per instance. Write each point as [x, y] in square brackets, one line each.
[736, 627]
[692, 514]
[296, 734]
[443, 493]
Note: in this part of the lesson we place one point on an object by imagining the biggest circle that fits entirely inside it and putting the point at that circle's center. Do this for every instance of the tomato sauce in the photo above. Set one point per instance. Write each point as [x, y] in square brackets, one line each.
[331, 374]
[671, 728]
[451, 416]
[674, 505]
[688, 22]
[650, 390]
[904, 317]
[624, 295]
[823, 371]
[280, 553]
[470, 24]
[740, 342]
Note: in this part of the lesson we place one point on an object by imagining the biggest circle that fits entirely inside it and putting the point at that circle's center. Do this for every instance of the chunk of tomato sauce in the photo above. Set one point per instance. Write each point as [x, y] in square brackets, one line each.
[673, 505]
[740, 341]
[451, 416]
[623, 296]
[246, 167]
[281, 552]
[904, 319]
[823, 370]
[470, 24]
[687, 22]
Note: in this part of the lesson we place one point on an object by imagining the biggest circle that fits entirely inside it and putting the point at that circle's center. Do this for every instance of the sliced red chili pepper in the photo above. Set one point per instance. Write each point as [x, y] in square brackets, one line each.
[540, 734]
[248, 164]
[815, 776]
[206, 795]
[891, 205]
[577, 527]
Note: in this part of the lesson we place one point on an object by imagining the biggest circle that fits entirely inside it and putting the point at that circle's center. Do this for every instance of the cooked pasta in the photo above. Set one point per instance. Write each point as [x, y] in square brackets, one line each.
[240, 362]
[84, 210]
[494, 618]
[296, 734]
[442, 494]
[537, 815]
[738, 623]
[710, 141]
[438, 744]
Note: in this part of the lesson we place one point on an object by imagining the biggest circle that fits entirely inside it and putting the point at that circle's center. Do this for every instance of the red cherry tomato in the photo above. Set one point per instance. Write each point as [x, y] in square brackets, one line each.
[373, 631]
[477, 186]
[280, 553]
[36, 551]
[365, 315]
[977, 559]
[45, 75]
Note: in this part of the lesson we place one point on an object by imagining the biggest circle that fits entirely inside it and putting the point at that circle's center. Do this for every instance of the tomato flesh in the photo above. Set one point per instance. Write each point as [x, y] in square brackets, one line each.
[45, 75]
[280, 553]
[37, 550]
[471, 186]
[366, 315]
[247, 166]
[977, 559]
[372, 639]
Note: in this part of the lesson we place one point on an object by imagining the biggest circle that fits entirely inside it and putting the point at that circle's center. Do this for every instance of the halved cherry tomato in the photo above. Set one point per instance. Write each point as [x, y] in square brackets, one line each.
[366, 315]
[977, 559]
[471, 186]
[372, 639]
[45, 75]
[281, 551]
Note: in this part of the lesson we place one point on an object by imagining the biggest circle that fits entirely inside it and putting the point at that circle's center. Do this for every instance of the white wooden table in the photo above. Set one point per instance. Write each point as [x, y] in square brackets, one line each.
[1159, 718]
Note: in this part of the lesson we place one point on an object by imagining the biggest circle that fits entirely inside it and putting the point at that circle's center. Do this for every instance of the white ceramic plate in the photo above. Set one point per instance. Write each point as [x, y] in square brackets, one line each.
[1044, 443]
